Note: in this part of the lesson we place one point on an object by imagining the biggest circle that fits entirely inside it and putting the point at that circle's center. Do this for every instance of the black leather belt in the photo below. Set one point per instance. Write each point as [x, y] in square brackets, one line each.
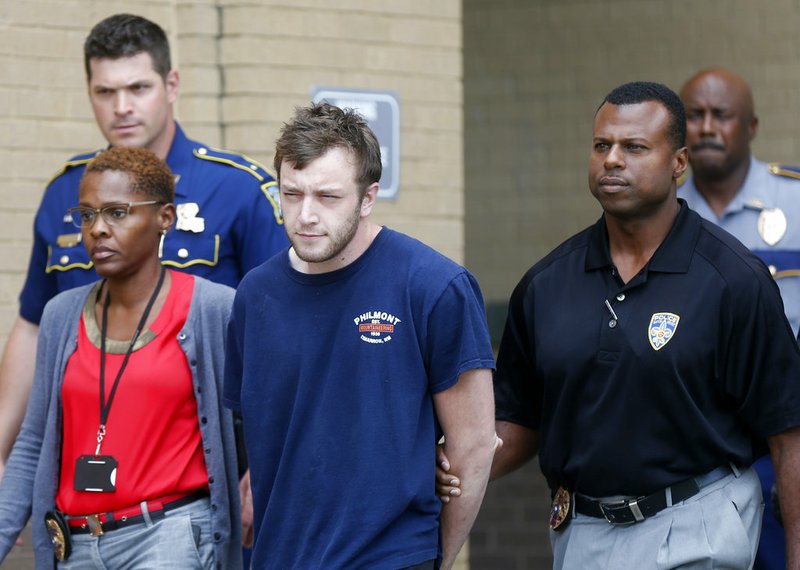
[637, 509]
[92, 524]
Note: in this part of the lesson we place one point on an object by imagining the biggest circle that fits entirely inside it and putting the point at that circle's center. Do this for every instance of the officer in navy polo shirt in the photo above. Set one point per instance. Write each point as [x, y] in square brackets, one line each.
[648, 362]
[758, 203]
[228, 219]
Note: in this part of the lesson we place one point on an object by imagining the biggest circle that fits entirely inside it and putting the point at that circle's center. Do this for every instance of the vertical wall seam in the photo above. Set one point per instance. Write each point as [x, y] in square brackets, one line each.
[220, 75]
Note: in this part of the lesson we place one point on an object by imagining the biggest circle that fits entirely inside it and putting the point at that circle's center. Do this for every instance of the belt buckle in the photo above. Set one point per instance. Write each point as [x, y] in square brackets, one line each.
[632, 505]
[95, 525]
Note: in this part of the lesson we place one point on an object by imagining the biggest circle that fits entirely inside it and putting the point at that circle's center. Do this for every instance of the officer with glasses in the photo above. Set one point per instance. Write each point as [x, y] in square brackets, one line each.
[227, 214]
[113, 214]
[126, 457]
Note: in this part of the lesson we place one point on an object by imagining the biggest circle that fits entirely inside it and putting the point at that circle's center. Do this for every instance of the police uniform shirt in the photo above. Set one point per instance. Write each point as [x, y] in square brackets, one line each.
[697, 367]
[228, 221]
[765, 217]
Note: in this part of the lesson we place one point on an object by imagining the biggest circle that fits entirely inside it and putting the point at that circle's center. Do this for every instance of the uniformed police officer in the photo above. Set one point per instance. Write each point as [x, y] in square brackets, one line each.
[648, 362]
[228, 219]
[758, 203]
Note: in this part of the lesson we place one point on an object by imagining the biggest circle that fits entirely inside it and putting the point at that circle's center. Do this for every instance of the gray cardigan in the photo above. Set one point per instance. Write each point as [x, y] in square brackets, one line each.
[31, 477]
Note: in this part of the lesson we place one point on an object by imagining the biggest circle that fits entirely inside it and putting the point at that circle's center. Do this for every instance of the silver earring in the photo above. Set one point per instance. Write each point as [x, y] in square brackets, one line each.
[161, 244]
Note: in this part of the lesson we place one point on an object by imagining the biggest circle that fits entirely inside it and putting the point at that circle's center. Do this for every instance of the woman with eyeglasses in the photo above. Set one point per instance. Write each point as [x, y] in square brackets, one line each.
[126, 457]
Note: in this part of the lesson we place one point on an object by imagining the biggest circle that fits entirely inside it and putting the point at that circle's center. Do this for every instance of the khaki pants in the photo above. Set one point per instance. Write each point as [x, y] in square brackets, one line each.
[717, 528]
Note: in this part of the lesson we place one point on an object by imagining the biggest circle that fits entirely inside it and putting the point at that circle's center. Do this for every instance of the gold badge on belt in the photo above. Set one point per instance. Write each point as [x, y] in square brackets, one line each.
[772, 225]
[559, 512]
[59, 534]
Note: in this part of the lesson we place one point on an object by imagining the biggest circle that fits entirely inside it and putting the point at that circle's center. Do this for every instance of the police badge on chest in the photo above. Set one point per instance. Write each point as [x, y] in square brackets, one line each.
[188, 219]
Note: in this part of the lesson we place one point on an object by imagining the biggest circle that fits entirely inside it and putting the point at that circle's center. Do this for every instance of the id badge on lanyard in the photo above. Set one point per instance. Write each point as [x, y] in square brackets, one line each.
[98, 473]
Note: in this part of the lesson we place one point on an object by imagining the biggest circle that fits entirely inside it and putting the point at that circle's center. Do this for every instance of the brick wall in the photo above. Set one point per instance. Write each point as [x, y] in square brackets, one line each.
[244, 66]
[45, 117]
[534, 73]
[273, 54]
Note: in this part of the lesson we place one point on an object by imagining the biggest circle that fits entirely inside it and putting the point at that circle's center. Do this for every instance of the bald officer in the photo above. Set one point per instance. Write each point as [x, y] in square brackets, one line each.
[758, 203]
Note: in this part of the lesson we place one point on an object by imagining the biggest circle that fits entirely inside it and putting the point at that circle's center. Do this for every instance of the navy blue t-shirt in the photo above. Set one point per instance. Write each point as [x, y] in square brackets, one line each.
[334, 375]
[691, 367]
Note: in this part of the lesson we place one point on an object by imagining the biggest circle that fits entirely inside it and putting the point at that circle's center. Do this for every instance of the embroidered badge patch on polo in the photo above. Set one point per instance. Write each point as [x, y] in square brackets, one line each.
[376, 327]
[662, 328]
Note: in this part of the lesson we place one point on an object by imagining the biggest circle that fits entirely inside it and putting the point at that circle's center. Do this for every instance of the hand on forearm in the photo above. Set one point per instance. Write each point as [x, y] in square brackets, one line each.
[458, 516]
[447, 483]
[466, 414]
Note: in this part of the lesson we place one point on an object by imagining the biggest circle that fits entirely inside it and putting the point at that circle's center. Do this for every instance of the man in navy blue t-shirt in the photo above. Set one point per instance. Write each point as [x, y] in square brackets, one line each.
[348, 356]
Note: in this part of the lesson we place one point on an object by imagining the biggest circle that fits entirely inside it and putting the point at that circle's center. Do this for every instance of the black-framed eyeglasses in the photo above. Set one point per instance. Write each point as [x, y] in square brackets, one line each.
[113, 214]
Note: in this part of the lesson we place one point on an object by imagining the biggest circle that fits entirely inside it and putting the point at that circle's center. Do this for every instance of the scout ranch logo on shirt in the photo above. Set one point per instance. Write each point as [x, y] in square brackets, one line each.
[376, 327]
[662, 329]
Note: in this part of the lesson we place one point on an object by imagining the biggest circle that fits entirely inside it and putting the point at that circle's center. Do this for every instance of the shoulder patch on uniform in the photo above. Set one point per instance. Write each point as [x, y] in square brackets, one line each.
[785, 170]
[265, 176]
[78, 160]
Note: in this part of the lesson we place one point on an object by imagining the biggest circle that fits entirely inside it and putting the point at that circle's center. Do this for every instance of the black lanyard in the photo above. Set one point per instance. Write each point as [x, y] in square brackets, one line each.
[105, 406]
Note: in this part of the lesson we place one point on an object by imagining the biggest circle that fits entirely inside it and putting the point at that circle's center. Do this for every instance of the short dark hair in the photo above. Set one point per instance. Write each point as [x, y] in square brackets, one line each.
[643, 91]
[149, 174]
[126, 35]
[316, 129]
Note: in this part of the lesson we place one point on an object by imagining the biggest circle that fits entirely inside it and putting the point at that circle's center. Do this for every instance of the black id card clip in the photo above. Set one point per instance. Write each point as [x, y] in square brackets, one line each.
[96, 473]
